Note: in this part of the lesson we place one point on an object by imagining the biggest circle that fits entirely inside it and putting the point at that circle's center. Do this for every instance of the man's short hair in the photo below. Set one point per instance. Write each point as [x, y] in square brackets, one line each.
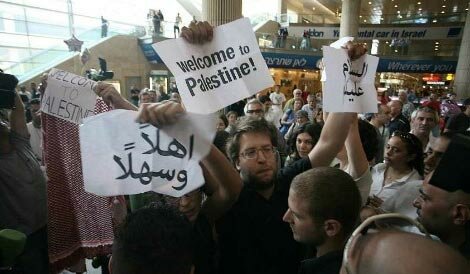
[249, 124]
[427, 110]
[153, 240]
[332, 194]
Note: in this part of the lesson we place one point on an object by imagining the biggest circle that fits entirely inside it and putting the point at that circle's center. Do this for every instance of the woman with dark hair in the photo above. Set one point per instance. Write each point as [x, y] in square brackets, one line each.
[302, 141]
[403, 162]
[222, 123]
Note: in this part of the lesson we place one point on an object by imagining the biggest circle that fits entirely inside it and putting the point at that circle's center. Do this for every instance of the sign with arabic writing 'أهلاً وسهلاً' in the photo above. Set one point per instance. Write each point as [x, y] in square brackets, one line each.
[349, 85]
[121, 156]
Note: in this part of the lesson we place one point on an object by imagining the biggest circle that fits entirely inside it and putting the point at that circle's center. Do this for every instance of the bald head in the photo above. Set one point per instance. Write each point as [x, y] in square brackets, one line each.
[395, 107]
[396, 252]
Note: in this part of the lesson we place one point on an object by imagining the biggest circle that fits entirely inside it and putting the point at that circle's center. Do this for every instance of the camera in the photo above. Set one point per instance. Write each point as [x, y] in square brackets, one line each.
[8, 84]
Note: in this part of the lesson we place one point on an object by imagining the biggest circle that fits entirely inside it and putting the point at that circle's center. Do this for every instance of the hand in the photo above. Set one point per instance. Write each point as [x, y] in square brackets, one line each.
[107, 91]
[160, 114]
[374, 201]
[355, 50]
[198, 33]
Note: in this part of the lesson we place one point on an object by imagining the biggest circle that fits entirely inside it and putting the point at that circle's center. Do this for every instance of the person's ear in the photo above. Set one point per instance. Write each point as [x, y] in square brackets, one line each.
[461, 214]
[332, 227]
[237, 164]
[110, 268]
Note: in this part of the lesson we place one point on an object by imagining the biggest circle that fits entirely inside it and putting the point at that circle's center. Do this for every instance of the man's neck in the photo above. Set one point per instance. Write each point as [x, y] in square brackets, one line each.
[266, 193]
[330, 245]
[424, 138]
[454, 238]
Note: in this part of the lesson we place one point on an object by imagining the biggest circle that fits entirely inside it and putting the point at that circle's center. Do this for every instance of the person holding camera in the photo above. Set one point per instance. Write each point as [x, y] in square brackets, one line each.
[22, 184]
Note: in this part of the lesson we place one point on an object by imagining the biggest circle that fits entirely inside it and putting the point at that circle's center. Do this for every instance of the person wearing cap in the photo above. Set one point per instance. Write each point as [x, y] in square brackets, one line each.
[460, 122]
[443, 205]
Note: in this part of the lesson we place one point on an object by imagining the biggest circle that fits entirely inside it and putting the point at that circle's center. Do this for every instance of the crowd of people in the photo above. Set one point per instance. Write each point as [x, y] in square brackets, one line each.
[286, 189]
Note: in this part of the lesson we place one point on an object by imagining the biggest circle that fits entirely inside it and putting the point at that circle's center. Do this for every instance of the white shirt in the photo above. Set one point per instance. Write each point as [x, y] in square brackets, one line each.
[310, 111]
[386, 191]
[277, 99]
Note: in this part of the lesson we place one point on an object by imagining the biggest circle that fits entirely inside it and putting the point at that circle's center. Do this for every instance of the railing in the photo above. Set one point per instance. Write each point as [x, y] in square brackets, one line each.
[412, 48]
[285, 19]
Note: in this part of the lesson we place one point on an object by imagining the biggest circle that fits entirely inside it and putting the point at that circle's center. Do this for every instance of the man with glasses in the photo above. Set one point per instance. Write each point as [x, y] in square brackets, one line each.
[252, 236]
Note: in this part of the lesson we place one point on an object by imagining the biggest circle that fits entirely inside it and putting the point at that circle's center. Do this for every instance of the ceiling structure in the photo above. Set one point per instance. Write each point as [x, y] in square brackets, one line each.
[384, 11]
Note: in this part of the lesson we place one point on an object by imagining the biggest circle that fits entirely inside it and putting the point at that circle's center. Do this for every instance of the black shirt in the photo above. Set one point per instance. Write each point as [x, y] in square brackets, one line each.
[329, 263]
[203, 246]
[253, 238]
[399, 123]
[458, 123]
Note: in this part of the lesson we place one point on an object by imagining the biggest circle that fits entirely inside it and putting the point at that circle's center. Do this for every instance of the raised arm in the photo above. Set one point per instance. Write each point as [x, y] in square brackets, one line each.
[112, 97]
[222, 181]
[357, 159]
[18, 118]
[332, 138]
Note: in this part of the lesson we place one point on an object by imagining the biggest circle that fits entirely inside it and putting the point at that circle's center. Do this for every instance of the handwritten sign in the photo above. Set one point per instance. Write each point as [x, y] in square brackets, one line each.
[349, 85]
[68, 96]
[121, 156]
[219, 73]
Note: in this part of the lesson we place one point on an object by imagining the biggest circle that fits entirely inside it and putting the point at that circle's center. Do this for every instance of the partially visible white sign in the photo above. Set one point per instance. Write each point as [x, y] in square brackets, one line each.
[349, 85]
[121, 156]
[68, 96]
[218, 73]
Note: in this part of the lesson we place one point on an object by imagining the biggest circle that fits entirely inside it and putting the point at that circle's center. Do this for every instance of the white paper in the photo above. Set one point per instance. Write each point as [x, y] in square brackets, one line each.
[121, 156]
[68, 96]
[349, 85]
[231, 65]
[337, 45]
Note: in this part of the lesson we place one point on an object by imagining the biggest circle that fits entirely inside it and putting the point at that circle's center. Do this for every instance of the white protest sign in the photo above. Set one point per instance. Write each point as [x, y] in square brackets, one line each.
[68, 96]
[121, 156]
[349, 85]
[218, 73]
[337, 45]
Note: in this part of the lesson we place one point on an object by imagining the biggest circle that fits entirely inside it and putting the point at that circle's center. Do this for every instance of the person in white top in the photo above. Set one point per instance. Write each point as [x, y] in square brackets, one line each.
[311, 106]
[35, 129]
[403, 162]
[177, 24]
[277, 98]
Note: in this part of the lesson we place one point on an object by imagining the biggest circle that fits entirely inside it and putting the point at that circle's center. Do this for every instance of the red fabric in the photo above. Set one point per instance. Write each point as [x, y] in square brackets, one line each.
[434, 105]
[79, 223]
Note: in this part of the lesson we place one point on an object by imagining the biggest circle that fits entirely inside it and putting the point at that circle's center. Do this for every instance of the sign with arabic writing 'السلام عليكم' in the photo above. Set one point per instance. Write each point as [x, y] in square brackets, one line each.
[349, 85]
[121, 156]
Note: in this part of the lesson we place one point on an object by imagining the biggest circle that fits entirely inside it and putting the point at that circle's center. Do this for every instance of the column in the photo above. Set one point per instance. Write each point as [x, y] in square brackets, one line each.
[462, 74]
[218, 12]
[350, 18]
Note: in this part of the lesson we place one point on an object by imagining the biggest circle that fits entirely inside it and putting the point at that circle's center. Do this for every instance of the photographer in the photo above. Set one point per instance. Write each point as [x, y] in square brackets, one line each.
[22, 183]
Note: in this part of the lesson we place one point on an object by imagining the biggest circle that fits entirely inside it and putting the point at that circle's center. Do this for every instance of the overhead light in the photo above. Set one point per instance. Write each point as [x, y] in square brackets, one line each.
[437, 43]
[360, 16]
[434, 20]
[443, 12]
[436, 49]
[419, 3]
[365, 21]
[313, 8]
[370, 3]
[396, 50]
[398, 11]
[420, 9]
[381, 18]
[443, 6]
[396, 6]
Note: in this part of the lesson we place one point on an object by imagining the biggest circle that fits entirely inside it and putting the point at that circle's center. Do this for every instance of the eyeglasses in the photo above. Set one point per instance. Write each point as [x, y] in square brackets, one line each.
[257, 111]
[252, 153]
[363, 228]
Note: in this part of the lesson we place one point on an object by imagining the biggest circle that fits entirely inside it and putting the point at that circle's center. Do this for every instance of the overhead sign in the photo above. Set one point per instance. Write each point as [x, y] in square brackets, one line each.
[68, 96]
[381, 33]
[218, 73]
[418, 66]
[121, 156]
[282, 60]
